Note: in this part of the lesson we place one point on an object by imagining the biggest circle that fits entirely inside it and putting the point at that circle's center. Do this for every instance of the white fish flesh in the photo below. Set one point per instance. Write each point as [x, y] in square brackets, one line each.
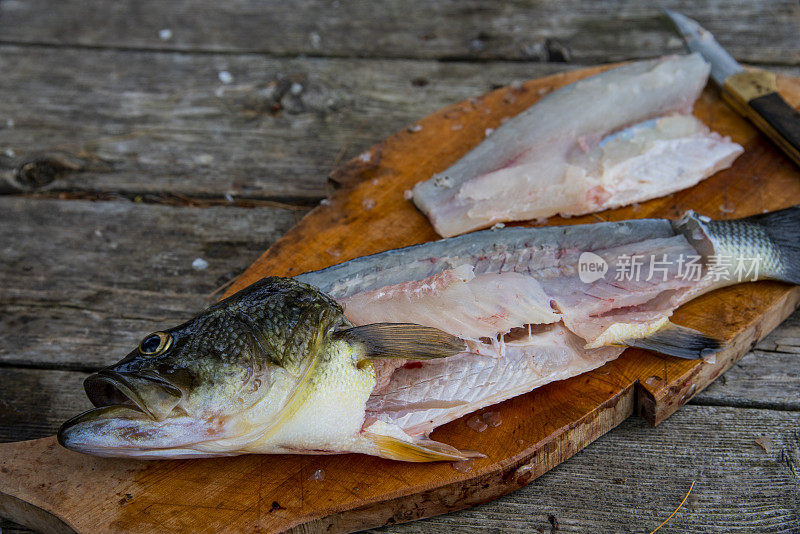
[623, 136]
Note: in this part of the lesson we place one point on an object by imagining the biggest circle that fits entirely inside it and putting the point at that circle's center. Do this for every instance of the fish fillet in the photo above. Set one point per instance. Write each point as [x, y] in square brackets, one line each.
[622, 136]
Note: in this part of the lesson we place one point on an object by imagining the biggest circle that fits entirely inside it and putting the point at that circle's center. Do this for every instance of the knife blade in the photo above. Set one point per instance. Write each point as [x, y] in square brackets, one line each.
[752, 93]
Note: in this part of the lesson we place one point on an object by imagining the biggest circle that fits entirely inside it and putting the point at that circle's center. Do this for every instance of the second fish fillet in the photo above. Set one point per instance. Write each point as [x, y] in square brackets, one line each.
[622, 136]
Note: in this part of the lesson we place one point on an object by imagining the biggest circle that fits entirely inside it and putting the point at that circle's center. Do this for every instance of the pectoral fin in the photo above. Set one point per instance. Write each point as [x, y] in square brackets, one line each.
[418, 450]
[403, 340]
[676, 340]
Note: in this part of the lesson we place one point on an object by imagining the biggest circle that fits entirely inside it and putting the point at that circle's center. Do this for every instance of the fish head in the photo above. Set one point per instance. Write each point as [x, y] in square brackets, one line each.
[212, 384]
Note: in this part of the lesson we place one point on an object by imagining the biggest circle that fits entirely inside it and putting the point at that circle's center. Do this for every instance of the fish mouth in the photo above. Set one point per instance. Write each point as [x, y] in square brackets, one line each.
[147, 392]
[71, 428]
[134, 413]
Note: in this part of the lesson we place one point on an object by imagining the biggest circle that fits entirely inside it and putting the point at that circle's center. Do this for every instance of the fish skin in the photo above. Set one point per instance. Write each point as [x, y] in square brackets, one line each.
[276, 368]
[532, 247]
[280, 367]
[556, 158]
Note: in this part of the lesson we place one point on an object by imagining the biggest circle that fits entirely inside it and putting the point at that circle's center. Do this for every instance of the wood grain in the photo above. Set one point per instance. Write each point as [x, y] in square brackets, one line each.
[54, 315]
[273, 133]
[540, 429]
[551, 30]
[36, 402]
[634, 477]
[761, 379]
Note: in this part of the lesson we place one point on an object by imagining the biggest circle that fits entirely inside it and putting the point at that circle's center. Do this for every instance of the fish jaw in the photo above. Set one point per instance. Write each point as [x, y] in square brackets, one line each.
[125, 431]
[151, 394]
[143, 416]
[137, 415]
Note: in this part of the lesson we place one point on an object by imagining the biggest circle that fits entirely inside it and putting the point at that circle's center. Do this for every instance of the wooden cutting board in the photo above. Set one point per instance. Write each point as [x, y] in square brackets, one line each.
[51, 489]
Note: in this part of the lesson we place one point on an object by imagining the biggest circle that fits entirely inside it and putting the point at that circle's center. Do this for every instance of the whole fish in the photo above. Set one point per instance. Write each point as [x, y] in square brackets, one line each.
[371, 355]
[622, 136]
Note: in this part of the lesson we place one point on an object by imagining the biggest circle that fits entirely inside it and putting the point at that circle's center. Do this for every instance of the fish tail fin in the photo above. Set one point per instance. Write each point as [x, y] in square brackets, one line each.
[418, 450]
[765, 246]
[680, 341]
[782, 228]
[403, 340]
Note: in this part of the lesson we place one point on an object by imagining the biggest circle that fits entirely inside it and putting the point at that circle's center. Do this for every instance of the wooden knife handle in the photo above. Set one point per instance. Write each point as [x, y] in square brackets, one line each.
[784, 120]
[754, 95]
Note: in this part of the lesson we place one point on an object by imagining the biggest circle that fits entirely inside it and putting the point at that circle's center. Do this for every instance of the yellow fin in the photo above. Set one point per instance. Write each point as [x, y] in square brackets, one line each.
[419, 450]
[619, 333]
[663, 336]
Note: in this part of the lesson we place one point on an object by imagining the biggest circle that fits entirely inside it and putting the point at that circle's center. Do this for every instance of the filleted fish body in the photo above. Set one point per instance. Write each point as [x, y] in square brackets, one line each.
[623, 136]
[371, 355]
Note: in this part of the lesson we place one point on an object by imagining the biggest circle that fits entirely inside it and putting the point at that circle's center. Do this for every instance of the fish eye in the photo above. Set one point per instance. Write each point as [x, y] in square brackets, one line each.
[155, 344]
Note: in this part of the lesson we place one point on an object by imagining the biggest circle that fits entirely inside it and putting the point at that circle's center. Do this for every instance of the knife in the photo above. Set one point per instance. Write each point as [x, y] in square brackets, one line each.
[752, 93]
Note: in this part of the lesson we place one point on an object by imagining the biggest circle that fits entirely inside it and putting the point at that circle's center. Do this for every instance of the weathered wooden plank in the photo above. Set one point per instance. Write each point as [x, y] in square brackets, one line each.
[83, 281]
[768, 377]
[67, 125]
[164, 123]
[627, 481]
[36, 401]
[12, 528]
[550, 30]
[786, 339]
[763, 379]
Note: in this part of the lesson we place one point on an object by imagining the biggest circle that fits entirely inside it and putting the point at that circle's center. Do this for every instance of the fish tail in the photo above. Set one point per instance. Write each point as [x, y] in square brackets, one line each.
[782, 229]
[765, 246]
